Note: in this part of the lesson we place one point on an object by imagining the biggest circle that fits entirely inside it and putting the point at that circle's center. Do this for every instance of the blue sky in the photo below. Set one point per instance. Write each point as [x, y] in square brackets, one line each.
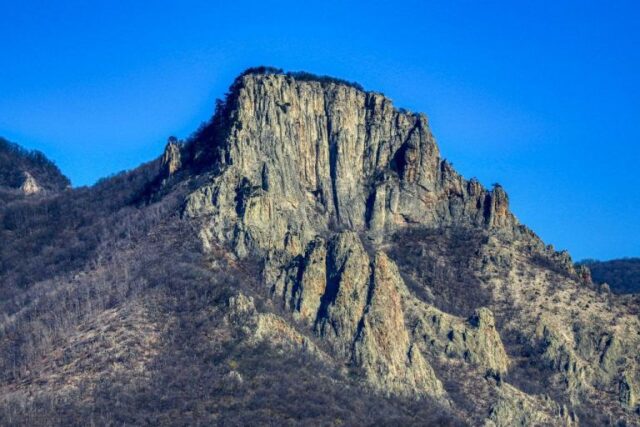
[543, 97]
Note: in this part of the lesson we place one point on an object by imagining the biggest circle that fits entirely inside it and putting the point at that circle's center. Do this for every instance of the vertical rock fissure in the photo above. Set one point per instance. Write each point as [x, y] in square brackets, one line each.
[331, 289]
[368, 123]
[320, 190]
[333, 159]
[297, 289]
[358, 335]
[369, 205]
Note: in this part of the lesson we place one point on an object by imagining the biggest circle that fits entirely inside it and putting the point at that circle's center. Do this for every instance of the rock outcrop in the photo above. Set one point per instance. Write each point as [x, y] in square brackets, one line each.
[30, 185]
[171, 160]
[261, 327]
[354, 303]
[382, 346]
[303, 157]
[516, 409]
[314, 177]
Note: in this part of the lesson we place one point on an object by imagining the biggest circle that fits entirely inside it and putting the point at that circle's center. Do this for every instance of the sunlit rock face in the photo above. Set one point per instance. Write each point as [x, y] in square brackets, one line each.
[317, 177]
[30, 185]
[304, 156]
[171, 158]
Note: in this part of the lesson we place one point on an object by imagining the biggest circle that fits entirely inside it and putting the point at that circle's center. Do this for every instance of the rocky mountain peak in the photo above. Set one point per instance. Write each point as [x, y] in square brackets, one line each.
[320, 177]
[327, 155]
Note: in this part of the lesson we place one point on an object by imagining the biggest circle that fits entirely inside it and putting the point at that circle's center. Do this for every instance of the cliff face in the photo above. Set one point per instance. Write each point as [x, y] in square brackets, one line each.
[304, 156]
[304, 160]
[319, 178]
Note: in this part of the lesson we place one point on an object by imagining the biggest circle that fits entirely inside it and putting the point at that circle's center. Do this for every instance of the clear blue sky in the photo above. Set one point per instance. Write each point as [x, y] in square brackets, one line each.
[543, 97]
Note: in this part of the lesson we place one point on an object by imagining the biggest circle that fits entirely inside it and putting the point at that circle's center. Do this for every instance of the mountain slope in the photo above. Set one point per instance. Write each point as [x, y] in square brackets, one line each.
[309, 244]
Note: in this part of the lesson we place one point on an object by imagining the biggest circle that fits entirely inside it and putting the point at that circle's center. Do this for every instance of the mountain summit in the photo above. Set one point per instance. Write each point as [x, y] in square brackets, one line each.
[307, 256]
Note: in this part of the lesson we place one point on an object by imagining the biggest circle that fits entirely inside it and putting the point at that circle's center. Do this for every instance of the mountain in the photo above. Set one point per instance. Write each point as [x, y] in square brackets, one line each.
[621, 275]
[306, 257]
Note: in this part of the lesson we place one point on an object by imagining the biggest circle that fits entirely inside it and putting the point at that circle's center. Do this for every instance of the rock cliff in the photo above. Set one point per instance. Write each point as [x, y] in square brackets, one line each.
[302, 157]
[319, 178]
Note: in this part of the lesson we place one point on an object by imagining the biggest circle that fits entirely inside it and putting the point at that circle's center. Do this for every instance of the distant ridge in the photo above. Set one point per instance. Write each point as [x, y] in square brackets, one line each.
[622, 275]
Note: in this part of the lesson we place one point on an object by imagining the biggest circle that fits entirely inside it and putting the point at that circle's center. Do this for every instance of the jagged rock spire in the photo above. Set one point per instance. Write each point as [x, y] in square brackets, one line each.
[171, 160]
